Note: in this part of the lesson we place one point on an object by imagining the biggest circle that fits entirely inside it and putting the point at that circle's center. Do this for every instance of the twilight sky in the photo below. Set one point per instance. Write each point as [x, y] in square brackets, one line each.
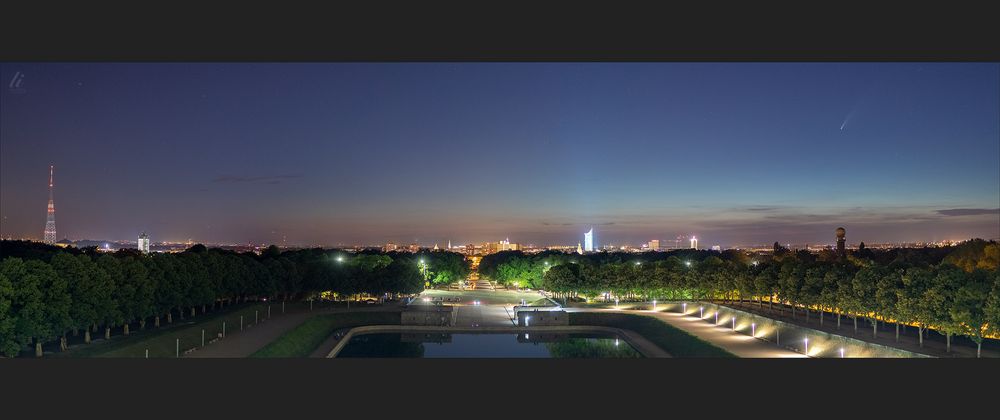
[330, 153]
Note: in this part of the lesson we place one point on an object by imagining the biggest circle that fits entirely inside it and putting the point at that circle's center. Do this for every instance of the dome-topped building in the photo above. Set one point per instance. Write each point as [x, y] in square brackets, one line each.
[841, 241]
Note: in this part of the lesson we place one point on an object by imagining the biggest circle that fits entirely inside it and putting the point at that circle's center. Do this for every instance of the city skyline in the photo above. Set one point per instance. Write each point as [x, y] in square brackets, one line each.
[369, 153]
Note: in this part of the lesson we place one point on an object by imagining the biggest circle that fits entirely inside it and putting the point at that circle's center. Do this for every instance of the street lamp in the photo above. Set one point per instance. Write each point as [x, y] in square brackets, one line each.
[340, 258]
[616, 341]
[687, 263]
[654, 304]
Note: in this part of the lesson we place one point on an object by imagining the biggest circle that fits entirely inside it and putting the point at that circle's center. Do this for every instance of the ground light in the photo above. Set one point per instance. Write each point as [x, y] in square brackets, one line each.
[841, 352]
[807, 346]
[340, 259]
[616, 303]
[734, 323]
[526, 319]
[716, 317]
[701, 312]
[616, 341]
[684, 308]
[654, 304]
[753, 330]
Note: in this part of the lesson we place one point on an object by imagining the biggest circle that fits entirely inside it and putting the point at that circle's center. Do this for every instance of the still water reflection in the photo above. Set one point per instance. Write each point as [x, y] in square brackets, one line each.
[438, 345]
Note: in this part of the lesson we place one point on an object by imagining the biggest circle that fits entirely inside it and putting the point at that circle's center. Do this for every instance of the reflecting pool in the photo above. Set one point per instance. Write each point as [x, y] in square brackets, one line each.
[509, 345]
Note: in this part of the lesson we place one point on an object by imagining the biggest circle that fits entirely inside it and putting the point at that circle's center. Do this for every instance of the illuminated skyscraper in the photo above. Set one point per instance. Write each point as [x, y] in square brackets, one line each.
[50, 221]
[654, 245]
[694, 242]
[588, 240]
[143, 243]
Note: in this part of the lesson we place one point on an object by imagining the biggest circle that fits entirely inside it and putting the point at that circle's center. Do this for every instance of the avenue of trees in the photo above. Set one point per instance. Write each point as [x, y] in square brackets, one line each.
[955, 290]
[48, 292]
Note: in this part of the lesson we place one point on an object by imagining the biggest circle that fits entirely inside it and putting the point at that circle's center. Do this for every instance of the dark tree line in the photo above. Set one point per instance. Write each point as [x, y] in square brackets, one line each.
[48, 292]
[955, 291]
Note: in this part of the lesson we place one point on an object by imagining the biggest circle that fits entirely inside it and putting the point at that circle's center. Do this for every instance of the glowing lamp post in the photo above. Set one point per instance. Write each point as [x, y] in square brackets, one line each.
[701, 312]
[526, 320]
[684, 308]
[616, 303]
[753, 330]
[654, 304]
[716, 317]
[734, 323]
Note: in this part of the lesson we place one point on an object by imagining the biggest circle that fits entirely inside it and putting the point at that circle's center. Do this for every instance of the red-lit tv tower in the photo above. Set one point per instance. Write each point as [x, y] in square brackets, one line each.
[50, 221]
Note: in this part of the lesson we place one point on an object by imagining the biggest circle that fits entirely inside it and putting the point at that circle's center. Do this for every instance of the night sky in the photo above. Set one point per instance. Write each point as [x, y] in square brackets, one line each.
[331, 153]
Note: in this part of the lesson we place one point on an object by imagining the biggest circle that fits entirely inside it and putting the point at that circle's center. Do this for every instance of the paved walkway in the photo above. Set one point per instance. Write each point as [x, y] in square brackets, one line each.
[247, 342]
[739, 344]
[934, 344]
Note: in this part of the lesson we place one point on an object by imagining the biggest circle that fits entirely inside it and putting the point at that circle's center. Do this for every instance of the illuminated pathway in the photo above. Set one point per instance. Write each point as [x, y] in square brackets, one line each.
[741, 345]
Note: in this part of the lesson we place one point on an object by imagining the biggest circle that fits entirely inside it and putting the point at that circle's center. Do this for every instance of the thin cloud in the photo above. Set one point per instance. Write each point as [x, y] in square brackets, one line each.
[271, 179]
[968, 212]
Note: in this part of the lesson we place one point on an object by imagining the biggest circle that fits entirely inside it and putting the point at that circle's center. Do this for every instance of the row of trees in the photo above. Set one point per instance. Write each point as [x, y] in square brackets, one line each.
[47, 292]
[951, 290]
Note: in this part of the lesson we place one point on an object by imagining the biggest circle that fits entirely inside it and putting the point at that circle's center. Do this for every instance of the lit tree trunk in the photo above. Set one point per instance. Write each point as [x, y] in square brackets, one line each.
[170, 317]
[838, 320]
[156, 322]
[86, 335]
[979, 348]
[947, 340]
[821, 317]
[107, 332]
[855, 323]
[125, 329]
[62, 343]
[920, 334]
[142, 323]
[202, 309]
[38, 348]
[874, 328]
[192, 312]
[897, 332]
[807, 315]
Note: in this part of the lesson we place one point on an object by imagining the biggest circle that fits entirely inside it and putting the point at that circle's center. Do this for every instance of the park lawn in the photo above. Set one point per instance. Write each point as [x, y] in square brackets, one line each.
[305, 338]
[677, 342]
[161, 342]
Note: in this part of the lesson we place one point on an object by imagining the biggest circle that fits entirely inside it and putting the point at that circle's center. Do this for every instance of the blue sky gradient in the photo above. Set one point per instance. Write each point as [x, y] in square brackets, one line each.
[329, 153]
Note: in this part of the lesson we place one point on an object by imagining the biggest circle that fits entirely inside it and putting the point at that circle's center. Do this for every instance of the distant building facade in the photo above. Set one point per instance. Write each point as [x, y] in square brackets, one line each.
[588, 240]
[841, 241]
[694, 242]
[143, 243]
[653, 245]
